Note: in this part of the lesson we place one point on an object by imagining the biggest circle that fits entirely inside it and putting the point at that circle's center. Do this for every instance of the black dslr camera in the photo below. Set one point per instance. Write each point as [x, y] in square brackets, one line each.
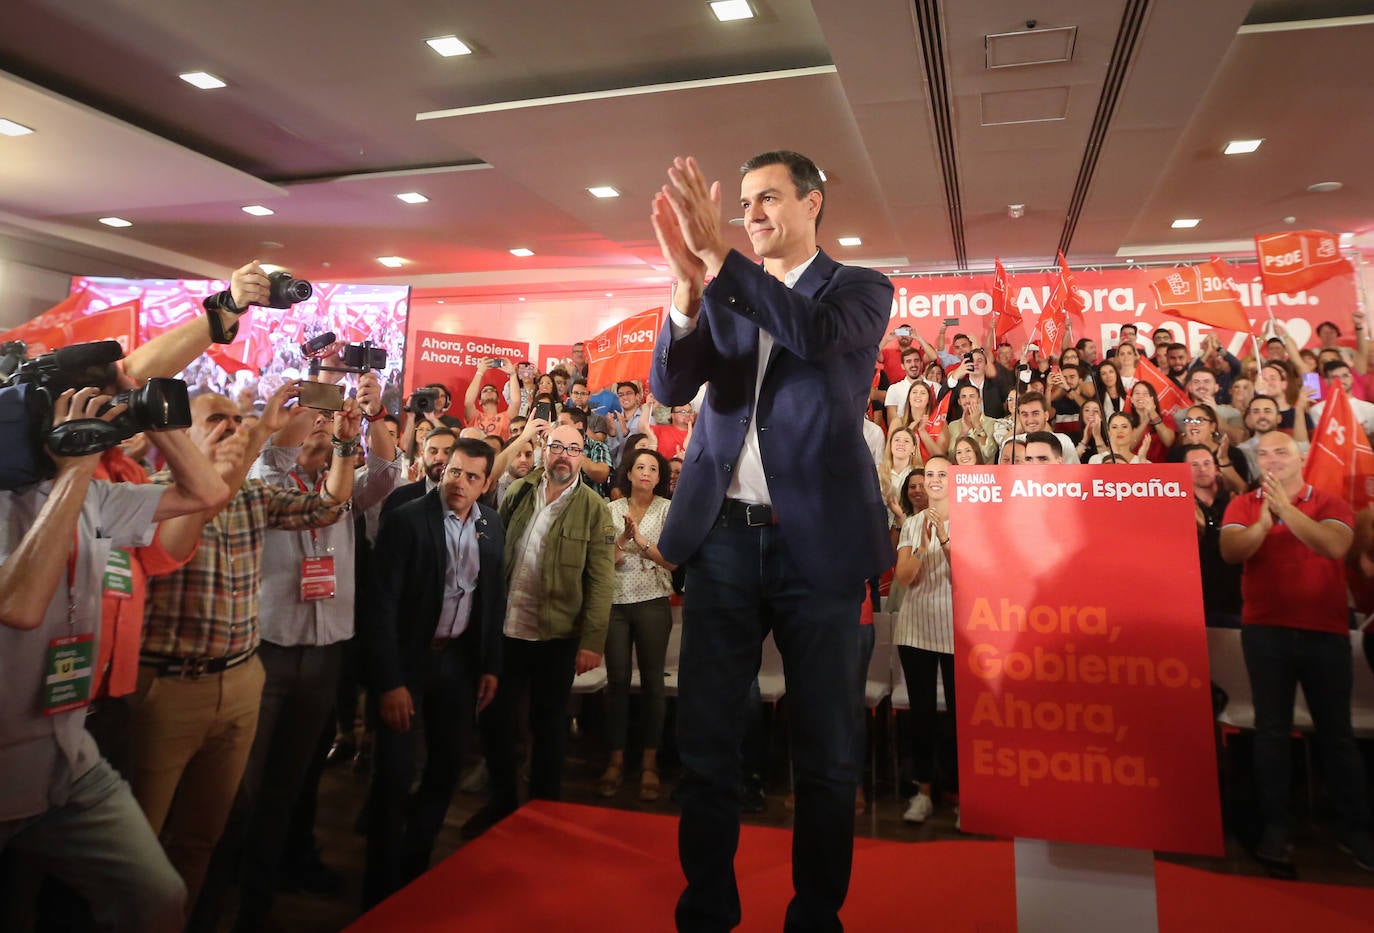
[286, 291]
[423, 401]
[26, 408]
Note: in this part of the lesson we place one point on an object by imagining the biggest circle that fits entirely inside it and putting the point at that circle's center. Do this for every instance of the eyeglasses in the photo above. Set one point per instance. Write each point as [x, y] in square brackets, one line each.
[558, 447]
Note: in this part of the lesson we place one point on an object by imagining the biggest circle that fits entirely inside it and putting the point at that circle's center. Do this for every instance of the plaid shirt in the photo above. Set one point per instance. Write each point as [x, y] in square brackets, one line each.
[209, 608]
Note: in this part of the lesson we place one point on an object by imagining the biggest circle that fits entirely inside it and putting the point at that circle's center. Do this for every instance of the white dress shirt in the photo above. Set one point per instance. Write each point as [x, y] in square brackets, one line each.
[749, 483]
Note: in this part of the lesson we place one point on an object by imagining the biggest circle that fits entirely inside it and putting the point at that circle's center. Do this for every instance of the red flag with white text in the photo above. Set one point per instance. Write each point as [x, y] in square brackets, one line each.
[623, 352]
[1341, 461]
[1008, 316]
[1297, 260]
[1205, 293]
[1073, 301]
[1171, 397]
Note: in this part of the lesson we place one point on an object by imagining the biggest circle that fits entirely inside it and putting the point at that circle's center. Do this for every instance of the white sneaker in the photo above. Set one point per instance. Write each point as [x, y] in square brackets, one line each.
[921, 807]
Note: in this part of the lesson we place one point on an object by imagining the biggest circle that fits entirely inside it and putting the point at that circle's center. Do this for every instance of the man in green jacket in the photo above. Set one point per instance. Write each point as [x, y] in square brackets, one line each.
[560, 577]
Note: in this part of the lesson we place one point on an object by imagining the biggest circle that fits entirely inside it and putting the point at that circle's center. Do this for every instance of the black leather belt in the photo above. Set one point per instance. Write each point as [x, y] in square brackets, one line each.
[748, 514]
[165, 665]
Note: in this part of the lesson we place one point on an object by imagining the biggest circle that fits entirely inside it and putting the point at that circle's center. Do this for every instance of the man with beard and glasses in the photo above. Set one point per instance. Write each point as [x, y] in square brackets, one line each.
[434, 458]
[560, 577]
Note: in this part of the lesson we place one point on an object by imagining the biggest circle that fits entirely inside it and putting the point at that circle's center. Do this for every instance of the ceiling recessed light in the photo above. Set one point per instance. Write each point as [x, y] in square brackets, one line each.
[729, 10]
[522, 251]
[850, 241]
[448, 46]
[202, 79]
[257, 210]
[1325, 187]
[603, 191]
[1184, 223]
[1238, 146]
[116, 222]
[10, 128]
[391, 262]
[412, 197]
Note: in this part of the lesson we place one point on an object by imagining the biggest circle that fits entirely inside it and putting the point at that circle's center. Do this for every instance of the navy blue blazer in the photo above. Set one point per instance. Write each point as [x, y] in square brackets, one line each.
[811, 405]
[406, 593]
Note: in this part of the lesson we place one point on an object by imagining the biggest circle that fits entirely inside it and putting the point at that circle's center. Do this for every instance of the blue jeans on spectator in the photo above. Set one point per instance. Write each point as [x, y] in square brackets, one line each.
[740, 585]
[100, 844]
[1278, 659]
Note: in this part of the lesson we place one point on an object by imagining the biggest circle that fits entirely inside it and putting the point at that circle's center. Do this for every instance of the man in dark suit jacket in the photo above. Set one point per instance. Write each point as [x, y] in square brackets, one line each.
[432, 642]
[777, 515]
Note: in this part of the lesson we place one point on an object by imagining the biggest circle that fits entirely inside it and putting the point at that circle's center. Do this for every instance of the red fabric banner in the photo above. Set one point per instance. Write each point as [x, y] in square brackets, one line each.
[1205, 293]
[1341, 461]
[71, 321]
[1084, 713]
[1294, 261]
[624, 351]
[1171, 397]
[1008, 317]
[451, 360]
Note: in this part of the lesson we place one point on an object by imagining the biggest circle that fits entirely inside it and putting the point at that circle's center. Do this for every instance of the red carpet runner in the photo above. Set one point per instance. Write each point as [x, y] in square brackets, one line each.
[575, 868]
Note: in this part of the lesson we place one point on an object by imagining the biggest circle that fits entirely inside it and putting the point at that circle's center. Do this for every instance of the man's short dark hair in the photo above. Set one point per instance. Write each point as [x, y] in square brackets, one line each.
[805, 176]
[1203, 447]
[577, 416]
[1176, 346]
[665, 474]
[1330, 366]
[626, 385]
[472, 447]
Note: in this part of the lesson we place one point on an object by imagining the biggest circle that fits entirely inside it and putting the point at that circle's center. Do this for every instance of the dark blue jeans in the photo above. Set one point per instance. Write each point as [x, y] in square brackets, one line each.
[741, 585]
[1278, 659]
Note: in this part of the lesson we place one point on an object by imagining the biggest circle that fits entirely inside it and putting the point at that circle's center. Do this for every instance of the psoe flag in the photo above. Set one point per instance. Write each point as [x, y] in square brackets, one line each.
[1341, 461]
[623, 352]
[1205, 293]
[1291, 262]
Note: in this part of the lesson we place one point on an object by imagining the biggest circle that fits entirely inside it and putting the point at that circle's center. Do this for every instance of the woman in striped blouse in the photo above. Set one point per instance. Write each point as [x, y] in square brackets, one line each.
[924, 630]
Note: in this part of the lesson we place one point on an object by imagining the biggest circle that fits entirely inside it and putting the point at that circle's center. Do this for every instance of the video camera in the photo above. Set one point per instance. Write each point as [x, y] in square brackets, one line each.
[27, 433]
[357, 358]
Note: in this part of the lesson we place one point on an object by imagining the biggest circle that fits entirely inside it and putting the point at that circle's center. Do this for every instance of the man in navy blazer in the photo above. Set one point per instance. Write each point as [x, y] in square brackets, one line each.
[777, 515]
[432, 644]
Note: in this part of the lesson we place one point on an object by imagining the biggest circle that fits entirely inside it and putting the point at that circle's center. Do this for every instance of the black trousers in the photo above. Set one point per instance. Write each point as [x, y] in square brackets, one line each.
[401, 826]
[545, 669]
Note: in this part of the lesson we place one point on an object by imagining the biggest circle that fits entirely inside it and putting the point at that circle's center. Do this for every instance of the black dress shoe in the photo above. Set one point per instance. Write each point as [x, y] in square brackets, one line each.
[483, 820]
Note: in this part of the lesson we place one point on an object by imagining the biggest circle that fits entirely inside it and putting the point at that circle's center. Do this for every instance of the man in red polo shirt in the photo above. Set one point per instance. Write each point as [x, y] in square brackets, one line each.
[1292, 539]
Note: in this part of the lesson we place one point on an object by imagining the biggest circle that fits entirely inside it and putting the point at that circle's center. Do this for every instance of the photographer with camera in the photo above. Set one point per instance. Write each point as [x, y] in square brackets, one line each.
[200, 681]
[302, 642]
[64, 804]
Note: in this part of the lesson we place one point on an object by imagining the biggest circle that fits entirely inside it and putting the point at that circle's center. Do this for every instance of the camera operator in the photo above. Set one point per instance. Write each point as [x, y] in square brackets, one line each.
[301, 651]
[195, 709]
[64, 803]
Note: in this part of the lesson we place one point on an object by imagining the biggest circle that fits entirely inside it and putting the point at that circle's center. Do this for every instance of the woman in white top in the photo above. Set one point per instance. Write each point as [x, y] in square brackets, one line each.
[924, 632]
[1120, 434]
[639, 614]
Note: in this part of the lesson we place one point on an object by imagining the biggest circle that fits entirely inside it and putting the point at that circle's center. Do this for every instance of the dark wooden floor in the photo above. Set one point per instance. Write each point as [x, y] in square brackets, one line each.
[343, 788]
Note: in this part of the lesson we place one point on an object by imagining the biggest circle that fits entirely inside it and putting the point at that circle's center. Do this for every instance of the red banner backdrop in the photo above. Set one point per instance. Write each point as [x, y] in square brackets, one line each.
[1084, 710]
[1113, 297]
[451, 360]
